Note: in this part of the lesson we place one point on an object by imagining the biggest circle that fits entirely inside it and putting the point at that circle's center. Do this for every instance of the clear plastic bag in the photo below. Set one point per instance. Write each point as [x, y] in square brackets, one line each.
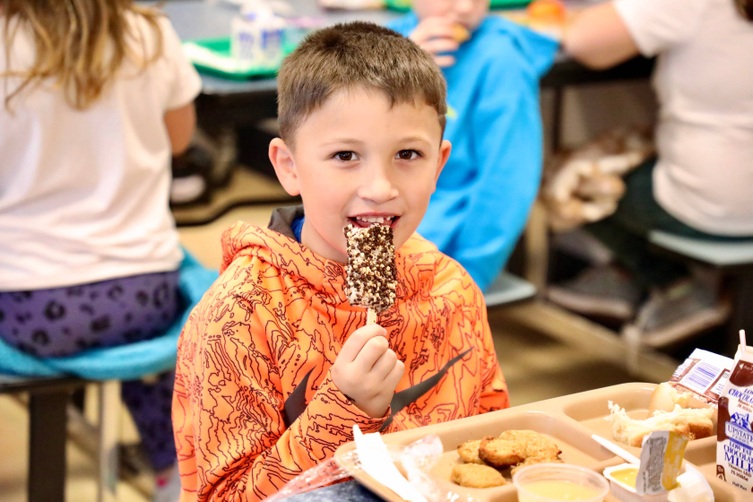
[416, 460]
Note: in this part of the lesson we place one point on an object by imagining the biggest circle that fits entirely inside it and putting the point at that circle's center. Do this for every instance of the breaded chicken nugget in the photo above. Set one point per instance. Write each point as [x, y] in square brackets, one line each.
[533, 444]
[468, 452]
[533, 460]
[477, 476]
[501, 453]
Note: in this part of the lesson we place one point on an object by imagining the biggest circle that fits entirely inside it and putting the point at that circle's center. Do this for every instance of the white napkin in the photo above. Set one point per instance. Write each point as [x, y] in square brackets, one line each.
[376, 462]
[693, 487]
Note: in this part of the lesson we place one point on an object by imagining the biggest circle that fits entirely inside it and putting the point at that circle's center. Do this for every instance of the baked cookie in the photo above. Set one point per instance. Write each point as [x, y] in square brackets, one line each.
[477, 476]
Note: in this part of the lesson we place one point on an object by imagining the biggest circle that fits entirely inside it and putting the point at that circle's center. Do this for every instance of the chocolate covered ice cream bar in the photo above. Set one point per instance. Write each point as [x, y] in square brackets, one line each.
[371, 273]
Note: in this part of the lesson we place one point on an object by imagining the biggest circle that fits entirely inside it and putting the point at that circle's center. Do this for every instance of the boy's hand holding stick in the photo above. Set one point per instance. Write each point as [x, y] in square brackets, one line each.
[367, 370]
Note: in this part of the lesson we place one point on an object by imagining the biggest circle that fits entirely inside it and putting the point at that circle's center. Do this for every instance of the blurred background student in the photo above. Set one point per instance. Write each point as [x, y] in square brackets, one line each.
[96, 96]
[492, 67]
[701, 184]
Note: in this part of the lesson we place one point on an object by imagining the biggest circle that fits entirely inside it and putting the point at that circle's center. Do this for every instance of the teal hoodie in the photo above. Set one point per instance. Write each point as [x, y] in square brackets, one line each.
[485, 193]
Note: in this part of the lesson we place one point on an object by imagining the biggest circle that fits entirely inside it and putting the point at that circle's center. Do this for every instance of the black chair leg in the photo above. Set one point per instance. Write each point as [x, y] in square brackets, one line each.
[742, 313]
[47, 439]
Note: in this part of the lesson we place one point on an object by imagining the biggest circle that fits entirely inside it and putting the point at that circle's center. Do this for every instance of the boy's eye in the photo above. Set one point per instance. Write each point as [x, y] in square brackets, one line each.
[408, 154]
[345, 156]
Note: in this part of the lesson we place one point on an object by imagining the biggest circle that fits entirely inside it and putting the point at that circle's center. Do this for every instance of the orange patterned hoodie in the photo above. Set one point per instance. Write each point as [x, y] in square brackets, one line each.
[254, 404]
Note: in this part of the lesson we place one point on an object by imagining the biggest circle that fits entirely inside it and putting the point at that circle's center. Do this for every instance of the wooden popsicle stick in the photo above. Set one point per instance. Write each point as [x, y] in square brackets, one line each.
[371, 316]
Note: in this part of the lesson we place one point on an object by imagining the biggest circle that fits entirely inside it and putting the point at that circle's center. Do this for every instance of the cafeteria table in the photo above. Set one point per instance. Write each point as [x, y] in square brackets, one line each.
[234, 103]
[244, 102]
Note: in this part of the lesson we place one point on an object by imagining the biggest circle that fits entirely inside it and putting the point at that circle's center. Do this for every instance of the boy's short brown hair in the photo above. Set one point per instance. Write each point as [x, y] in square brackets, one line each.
[350, 55]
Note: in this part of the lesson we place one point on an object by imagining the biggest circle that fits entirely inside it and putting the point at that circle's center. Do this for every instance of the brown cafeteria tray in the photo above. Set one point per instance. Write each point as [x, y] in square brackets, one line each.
[569, 420]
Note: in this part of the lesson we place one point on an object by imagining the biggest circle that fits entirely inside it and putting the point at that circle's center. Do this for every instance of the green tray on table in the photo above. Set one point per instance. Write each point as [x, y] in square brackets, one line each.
[213, 56]
[405, 5]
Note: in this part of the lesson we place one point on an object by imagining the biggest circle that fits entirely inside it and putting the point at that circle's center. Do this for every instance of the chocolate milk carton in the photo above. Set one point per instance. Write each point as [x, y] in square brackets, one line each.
[734, 447]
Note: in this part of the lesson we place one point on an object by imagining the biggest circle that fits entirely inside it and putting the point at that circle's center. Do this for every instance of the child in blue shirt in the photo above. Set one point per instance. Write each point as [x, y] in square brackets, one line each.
[485, 193]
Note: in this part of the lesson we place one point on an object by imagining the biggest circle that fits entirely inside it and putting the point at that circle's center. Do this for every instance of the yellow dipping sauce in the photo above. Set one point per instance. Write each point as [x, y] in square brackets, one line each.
[557, 490]
[626, 476]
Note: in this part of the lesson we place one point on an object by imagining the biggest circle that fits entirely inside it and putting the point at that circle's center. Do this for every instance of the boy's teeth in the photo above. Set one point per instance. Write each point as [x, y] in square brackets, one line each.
[374, 219]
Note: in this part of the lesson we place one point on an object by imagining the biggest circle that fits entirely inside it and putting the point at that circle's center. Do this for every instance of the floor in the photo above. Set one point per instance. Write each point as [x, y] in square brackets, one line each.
[536, 367]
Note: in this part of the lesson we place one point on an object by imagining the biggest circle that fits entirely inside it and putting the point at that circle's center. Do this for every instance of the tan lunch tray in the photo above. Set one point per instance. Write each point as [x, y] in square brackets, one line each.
[568, 420]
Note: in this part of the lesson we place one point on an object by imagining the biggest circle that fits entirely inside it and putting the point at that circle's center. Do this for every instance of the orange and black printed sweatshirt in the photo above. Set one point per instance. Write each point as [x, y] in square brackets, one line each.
[254, 404]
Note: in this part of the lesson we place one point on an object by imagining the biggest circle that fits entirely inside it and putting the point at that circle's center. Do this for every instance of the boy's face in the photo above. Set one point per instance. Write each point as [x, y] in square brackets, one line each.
[357, 160]
[469, 13]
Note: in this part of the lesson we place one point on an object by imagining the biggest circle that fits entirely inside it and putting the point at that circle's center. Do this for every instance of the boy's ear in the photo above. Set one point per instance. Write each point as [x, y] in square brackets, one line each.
[444, 154]
[282, 160]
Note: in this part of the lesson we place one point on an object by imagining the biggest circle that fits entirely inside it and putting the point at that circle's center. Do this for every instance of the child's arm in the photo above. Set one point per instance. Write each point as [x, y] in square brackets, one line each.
[436, 35]
[181, 124]
[598, 37]
[180, 114]
[367, 370]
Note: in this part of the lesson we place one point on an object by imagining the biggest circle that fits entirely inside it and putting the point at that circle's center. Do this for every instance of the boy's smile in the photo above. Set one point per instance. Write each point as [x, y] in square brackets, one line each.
[361, 160]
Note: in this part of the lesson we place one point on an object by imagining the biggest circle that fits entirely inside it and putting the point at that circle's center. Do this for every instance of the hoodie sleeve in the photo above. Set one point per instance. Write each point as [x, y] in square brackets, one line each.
[231, 434]
[494, 392]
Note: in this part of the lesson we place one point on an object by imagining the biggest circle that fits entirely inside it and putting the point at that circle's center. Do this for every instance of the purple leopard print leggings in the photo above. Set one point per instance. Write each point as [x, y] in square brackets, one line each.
[63, 321]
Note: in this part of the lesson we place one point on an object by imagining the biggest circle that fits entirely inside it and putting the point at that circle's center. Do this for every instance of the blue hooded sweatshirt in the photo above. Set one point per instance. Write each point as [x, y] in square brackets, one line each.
[485, 193]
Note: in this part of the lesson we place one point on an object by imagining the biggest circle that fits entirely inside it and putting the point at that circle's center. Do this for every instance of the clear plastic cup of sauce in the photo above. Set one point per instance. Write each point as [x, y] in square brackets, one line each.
[552, 482]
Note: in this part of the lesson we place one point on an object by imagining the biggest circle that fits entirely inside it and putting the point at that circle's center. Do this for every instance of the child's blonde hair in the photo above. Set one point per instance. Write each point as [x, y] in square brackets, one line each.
[351, 55]
[79, 44]
[745, 7]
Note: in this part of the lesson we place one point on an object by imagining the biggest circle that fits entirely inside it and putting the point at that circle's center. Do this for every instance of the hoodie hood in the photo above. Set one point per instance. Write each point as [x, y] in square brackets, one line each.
[419, 263]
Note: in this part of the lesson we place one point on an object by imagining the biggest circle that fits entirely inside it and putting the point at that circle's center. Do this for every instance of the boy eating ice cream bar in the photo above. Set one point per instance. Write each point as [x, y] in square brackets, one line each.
[275, 365]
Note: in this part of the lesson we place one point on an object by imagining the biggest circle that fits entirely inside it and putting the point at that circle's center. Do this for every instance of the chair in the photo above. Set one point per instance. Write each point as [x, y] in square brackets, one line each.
[571, 328]
[734, 259]
[48, 399]
[508, 289]
[50, 381]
